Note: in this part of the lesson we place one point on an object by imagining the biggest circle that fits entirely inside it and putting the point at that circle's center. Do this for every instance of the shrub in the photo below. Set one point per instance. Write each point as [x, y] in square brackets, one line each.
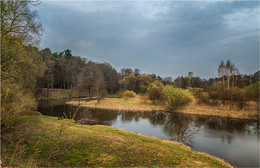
[216, 94]
[175, 97]
[128, 94]
[190, 89]
[237, 97]
[226, 96]
[201, 96]
[252, 91]
[13, 102]
[155, 91]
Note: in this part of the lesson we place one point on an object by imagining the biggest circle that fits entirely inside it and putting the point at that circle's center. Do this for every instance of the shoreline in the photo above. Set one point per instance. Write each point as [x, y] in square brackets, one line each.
[99, 146]
[134, 105]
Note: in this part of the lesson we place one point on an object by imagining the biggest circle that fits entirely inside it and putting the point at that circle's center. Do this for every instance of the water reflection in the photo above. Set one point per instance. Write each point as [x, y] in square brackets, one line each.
[176, 126]
[230, 125]
[231, 139]
[180, 128]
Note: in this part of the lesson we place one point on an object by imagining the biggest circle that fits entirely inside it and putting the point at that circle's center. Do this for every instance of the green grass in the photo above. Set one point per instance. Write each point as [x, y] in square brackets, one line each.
[113, 95]
[46, 141]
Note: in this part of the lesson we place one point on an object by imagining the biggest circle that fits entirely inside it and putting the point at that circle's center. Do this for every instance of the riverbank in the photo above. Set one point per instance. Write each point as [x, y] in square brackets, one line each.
[140, 103]
[43, 141]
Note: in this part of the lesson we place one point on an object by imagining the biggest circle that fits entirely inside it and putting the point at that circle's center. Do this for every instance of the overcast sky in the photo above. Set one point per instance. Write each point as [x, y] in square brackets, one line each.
[168, 38]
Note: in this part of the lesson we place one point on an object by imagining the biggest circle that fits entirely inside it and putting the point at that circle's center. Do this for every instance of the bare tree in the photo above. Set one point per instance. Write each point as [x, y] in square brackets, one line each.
[92, 80]
[228, 70]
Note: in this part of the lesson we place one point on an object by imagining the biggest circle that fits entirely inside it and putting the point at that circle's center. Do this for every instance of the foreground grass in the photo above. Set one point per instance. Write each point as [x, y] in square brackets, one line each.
[140, 103]
[45, 141]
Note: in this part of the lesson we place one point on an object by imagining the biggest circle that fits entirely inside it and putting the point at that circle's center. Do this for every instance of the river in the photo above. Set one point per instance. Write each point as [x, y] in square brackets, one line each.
[234, 140]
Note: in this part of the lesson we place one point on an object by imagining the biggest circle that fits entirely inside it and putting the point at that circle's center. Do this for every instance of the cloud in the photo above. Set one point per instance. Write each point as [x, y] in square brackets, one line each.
[166, 38]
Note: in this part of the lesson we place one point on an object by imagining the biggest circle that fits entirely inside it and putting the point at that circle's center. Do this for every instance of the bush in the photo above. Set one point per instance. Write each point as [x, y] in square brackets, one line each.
[201, 96]
[226, 96]
[216, 94]
[13, 102]
[154, 91]
[175, 97]
[237, 97]
[127, 94]
[252, 91]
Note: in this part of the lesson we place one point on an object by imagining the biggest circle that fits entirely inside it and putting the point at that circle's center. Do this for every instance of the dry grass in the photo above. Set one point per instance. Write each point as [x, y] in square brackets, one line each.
[249, 112]
[140, 103]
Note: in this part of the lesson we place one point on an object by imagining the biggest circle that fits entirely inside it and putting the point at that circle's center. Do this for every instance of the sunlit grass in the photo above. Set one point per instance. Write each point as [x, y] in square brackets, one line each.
[46, 141]
[250, 112]
[141, 103]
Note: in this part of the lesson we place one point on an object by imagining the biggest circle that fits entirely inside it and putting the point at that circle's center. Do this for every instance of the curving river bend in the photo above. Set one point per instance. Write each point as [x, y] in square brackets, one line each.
[234, 140]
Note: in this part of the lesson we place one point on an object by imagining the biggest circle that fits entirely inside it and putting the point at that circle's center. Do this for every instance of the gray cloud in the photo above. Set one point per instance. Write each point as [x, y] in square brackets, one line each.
[165, 38]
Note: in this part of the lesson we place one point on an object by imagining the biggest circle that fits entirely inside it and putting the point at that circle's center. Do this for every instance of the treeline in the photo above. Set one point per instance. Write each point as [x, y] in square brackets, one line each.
[239, 80]
[65, 71]
[230, 89]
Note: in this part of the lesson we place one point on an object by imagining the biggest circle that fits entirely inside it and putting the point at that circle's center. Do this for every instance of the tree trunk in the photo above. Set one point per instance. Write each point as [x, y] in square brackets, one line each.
[64, 84]
[48, 91]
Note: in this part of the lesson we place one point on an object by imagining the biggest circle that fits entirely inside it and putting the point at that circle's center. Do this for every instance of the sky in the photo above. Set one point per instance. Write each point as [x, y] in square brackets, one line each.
[167, 38]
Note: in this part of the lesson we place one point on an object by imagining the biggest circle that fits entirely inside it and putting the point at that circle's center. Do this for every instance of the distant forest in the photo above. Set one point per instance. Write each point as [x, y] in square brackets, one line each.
[65, 71]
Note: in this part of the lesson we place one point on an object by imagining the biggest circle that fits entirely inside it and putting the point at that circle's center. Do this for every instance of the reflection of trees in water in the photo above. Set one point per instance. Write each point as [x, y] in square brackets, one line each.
[129, 116]
[97, 115]
[157, 118]
[180, 128]
[230, 125]
[227, 138]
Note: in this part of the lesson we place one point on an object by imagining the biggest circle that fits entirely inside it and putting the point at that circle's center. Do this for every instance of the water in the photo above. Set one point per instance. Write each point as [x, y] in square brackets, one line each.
[234, 140]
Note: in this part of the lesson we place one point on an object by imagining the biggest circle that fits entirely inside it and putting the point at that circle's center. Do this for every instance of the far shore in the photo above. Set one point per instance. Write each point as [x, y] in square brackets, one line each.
[141, 104]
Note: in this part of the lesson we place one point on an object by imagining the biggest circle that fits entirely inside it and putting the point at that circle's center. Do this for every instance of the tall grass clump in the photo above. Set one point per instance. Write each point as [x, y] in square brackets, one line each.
[176, 98]
[127, 94]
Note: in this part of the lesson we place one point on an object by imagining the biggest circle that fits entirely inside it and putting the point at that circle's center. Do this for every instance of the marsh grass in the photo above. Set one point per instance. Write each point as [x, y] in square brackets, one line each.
[141, 103]
[250, 111]
[138, 103]
[92, 146]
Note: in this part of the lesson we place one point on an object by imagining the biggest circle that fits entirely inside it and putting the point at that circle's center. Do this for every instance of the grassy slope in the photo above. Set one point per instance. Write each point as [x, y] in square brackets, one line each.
[140, 104]
[38, 143]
